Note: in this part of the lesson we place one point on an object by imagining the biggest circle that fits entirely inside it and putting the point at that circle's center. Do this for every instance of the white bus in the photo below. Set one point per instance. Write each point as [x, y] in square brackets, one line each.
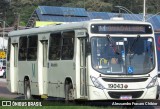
[91, 60]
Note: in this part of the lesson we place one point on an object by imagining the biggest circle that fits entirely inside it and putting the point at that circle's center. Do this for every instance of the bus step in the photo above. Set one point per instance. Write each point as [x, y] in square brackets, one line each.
[44, 96]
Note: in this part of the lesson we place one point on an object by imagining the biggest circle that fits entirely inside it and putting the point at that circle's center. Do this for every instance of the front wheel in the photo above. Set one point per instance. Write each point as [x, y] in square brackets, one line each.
[69, 92]
[27, 90]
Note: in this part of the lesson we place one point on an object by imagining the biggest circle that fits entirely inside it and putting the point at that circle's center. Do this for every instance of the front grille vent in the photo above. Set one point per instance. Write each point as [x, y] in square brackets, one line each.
[125, 79]
[134, 94]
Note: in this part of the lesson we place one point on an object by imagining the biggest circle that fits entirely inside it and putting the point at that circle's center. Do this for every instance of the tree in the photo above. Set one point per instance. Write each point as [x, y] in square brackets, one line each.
[153, 6]
[23, 9]
[91, 5]
[4, 6]
[135, 6]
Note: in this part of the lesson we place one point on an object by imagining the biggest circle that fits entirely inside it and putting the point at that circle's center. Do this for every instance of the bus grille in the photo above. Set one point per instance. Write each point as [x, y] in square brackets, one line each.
[124, 79]
[134, 94]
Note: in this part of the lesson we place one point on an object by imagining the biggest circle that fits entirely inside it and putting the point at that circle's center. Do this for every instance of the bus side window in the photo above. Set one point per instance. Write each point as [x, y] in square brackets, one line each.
[55, 46]
[22, 48]
[32, 48]
[68, 45]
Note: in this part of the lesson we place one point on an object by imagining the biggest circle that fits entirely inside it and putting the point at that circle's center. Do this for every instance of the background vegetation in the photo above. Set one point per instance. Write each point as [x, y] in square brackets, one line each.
[10, 9]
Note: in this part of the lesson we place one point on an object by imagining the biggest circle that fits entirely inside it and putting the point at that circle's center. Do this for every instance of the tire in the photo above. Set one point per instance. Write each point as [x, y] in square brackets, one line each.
[27, 90]
[69, 93]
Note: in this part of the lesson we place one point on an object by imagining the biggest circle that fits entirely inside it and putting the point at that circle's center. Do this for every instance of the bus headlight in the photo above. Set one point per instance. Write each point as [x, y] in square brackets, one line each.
[153, 82]
[97, 83]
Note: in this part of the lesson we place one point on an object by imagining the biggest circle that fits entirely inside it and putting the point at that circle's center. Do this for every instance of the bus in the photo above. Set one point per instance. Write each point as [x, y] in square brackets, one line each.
[111, 59]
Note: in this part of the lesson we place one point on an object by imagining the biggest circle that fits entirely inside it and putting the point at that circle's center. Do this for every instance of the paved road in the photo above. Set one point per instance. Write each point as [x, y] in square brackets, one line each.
[2, 80]
[4, 92]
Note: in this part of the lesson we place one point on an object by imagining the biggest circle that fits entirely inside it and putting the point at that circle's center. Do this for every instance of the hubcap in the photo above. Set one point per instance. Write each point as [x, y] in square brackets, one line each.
[28, 93]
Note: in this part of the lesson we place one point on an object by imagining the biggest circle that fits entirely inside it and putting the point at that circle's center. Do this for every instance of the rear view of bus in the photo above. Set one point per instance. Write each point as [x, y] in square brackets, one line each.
[123, 61]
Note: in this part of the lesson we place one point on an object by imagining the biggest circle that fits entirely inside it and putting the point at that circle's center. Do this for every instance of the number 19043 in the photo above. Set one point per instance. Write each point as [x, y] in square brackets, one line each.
[114, 86]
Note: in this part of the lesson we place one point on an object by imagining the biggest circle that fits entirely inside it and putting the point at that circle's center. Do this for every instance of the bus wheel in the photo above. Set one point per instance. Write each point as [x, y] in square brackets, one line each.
[69, 92]
[27, 90]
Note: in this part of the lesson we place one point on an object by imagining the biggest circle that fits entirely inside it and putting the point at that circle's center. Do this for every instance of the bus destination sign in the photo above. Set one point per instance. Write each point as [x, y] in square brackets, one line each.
[121, 29]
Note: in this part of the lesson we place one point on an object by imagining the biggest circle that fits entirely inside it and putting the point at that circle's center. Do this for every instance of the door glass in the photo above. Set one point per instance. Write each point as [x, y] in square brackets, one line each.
[45, 50]
[15, 54]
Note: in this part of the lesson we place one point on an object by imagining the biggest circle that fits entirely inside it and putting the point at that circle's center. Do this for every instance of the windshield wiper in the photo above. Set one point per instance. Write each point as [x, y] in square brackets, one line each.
[113, 45]
[130, 49]
[134, 42]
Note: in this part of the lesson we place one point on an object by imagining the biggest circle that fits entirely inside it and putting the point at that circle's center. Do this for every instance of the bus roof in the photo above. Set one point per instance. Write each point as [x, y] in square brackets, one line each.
[72, 25]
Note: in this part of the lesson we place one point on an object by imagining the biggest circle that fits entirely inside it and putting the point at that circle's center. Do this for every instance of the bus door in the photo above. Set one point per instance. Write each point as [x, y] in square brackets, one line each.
[14, 67]
[83, 88]
[81, 34]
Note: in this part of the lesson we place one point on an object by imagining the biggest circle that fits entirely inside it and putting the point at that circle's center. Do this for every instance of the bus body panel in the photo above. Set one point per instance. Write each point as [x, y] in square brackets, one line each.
[29, 69]
[57, 84]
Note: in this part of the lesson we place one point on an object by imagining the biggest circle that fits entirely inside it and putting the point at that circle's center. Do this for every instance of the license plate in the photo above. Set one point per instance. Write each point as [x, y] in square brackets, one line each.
[125, 97]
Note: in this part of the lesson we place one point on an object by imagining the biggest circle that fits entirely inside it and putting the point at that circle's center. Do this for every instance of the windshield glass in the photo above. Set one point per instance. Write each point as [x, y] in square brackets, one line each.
[123, 55]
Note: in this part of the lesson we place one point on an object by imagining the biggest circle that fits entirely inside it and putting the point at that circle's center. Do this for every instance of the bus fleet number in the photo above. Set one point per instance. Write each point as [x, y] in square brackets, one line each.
[119, 86]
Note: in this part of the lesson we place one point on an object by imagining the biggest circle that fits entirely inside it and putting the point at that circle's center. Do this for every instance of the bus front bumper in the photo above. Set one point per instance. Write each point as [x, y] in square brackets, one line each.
[99, 94]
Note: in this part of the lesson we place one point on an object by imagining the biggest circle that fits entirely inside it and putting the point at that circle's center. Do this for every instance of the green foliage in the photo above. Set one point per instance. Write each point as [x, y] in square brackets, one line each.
[91, 5]
[25, 8]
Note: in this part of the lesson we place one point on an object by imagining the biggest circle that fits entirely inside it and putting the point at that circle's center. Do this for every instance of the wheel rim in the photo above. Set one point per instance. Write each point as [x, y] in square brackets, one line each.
[28, 93]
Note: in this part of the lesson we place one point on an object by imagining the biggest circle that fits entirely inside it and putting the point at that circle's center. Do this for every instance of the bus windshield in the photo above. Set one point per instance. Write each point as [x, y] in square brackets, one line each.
[123, 55]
